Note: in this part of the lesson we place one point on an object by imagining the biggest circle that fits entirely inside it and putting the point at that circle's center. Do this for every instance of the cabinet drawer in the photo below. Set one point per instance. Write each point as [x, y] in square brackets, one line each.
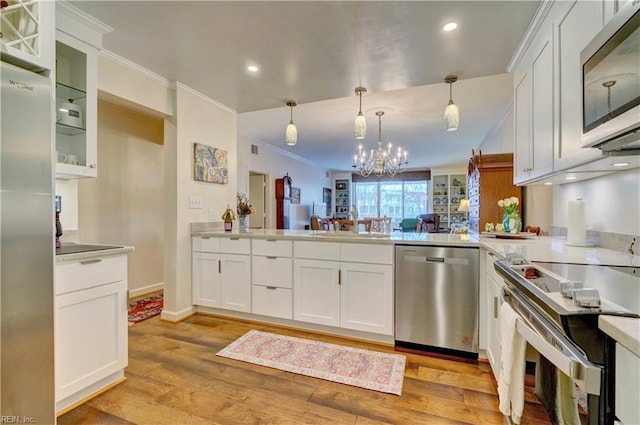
[205, 244]
[366, 253]
[490, 257]
[272, 301]
[90, 273]
[272, 271]
[317, 250]
[272, 247]
[235, 245]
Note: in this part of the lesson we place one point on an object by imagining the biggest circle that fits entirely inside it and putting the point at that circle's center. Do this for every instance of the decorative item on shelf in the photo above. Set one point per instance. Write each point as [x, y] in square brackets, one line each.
[379, 161]
[360, 125]
[464, 205]
[511, 222]
[228, 216]
[474, 161]
[243, 209]
[451, 113]
[291, 134]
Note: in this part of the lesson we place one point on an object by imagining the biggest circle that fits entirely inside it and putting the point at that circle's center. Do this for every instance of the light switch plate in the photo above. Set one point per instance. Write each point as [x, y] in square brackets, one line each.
[195, 202]
[212, 214]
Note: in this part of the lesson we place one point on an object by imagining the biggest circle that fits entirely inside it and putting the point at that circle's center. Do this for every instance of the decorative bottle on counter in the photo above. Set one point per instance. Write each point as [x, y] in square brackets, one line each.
[228, 219]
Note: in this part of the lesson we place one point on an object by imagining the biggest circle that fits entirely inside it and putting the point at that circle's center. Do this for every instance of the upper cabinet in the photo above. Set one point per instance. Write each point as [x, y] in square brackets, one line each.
[547, 89]
[577, 23]
[78, 40]
[27, 35]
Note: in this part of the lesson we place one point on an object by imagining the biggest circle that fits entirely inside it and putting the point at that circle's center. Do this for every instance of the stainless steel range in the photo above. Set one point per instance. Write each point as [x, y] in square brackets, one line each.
[559, 305]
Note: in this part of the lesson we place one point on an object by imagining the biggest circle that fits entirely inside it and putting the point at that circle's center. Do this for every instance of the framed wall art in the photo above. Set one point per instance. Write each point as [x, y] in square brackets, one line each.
[295, 195]
[326, 198]
[210, 164]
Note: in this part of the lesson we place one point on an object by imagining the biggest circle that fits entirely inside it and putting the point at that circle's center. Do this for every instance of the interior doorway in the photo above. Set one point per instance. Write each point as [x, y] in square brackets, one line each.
[258, 196]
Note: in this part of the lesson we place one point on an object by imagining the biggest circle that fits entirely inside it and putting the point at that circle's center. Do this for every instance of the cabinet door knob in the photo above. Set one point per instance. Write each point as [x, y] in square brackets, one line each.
[93, 166]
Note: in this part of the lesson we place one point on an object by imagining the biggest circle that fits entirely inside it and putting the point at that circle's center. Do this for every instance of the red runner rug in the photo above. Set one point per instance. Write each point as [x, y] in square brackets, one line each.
[145, 308]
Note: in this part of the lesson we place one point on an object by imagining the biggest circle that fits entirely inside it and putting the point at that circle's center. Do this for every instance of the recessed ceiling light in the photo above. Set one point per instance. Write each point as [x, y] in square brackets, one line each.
[621, 164]
[450, 26]
[252, 68]
[570, 178]
[548, 183]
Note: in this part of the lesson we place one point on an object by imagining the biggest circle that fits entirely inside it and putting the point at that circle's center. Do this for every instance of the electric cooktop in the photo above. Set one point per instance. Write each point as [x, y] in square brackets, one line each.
[75, 248]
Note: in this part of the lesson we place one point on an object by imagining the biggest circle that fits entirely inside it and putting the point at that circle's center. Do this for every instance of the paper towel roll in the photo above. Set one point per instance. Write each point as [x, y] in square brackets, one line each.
[577, 228]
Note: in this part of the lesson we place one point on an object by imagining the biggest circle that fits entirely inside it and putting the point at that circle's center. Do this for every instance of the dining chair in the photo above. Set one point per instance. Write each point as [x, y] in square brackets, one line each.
[533, 229]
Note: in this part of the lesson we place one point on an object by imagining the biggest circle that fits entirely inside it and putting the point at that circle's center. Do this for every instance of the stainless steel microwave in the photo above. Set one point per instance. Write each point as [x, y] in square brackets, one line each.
[611, 85]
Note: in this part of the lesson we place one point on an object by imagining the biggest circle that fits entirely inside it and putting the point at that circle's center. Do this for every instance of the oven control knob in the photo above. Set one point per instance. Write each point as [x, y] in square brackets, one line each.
[586, 297]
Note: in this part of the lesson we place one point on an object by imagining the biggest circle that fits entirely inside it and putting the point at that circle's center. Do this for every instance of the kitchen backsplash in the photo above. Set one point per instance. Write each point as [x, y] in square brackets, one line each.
[614, 241]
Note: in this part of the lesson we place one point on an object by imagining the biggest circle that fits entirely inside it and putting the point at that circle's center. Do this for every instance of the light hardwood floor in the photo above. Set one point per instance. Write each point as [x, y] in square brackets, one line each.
[174, 377]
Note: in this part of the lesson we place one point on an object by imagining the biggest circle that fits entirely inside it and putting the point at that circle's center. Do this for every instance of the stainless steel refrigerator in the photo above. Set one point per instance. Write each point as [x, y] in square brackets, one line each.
[26, 248]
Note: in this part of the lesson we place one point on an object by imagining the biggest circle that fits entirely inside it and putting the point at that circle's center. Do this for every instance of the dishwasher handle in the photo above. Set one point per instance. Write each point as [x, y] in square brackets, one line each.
[435, 259]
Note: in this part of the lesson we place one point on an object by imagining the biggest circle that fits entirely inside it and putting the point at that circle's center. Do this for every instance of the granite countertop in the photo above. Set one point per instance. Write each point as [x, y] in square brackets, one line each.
[327, 236]
[90, 251]
[625, 330]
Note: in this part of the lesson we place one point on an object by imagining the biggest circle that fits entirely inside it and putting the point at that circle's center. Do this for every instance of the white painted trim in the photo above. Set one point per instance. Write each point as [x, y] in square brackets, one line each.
[282, 152]
[196, 93]
[62, 6]
[136, 68]
[134, 293]
[532, 30]
[177, 316]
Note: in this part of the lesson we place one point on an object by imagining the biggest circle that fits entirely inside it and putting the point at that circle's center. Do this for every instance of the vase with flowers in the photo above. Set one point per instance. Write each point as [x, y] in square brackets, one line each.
[511, 222]
[244, 209]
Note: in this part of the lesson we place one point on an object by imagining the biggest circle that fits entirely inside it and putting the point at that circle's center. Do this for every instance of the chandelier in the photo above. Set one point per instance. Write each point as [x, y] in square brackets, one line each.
[380, 161]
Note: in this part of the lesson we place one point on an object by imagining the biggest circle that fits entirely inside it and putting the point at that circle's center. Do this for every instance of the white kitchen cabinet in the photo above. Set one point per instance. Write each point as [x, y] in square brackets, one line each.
[316, 291]
[577, 23]
[534, 112]
[366, 294]
[627, 386]
[78, 41]
[220, 279]
[493, 300]
[354, 293]
[28, 34]
[272, 278]
[90, 327]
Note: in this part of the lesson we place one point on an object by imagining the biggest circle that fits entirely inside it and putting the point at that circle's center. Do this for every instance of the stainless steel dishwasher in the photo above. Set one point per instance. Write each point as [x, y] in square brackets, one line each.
[436, 299]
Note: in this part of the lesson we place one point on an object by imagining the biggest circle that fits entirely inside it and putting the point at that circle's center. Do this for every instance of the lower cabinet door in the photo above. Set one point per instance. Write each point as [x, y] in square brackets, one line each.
[316, 292]
[272, 301]
[367, 297]
[235, 282]
[91, 336]
[494, 350]
[206, 279]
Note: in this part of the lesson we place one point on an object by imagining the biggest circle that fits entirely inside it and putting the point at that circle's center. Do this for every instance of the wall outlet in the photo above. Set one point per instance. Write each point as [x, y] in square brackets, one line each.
[195, 202]
[212, 215]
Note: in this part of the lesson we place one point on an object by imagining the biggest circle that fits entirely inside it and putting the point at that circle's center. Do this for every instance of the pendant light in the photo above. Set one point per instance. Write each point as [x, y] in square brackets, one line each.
[291, 135]
[451, 114]
[360, 126]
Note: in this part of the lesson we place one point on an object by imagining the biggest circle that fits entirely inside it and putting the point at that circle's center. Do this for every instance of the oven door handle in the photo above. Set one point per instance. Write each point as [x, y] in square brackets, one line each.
[555, 347]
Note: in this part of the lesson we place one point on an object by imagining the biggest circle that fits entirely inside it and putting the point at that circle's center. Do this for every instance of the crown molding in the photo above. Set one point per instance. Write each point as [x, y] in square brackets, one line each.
[181, 86]
[62, 6]
[534, 26]
[126, 63]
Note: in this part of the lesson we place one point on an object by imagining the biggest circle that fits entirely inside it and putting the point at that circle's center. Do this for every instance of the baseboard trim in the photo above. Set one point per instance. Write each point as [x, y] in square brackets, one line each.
[146, 290]
[177, 316]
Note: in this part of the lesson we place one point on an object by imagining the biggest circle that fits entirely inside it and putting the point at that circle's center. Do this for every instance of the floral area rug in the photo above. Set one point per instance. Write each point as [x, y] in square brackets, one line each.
[145, 308]
[352, 366]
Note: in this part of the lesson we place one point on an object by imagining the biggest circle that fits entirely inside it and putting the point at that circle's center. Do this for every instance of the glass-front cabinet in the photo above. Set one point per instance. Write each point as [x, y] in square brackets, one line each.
[448, 192]
[76, 108]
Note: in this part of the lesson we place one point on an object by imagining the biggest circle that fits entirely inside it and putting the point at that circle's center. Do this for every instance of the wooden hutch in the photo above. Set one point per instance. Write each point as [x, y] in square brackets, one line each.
[490, 178]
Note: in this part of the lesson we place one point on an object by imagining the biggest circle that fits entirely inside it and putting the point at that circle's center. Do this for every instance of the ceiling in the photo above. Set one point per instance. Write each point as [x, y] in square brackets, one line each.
[317, 52]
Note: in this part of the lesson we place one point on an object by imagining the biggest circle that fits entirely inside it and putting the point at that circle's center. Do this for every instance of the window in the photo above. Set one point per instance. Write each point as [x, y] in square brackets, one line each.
[395, 199]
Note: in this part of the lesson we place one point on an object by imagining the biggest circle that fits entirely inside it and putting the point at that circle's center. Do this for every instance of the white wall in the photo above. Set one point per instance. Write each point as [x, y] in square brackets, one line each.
[613, 202]
[500, 138]
[123, 205]
[304, 175]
